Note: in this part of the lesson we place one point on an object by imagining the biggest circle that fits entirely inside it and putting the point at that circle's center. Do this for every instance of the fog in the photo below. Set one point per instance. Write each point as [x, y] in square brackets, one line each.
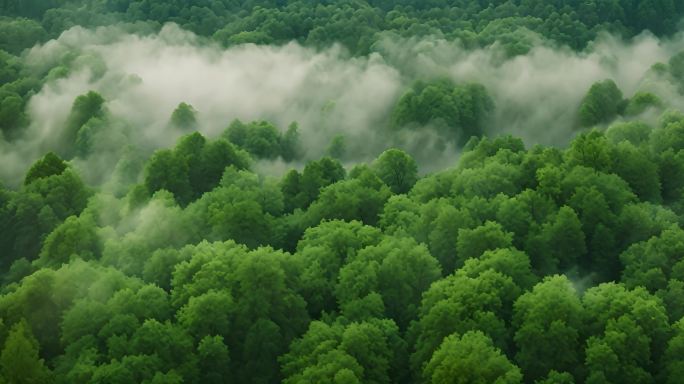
[143, 78]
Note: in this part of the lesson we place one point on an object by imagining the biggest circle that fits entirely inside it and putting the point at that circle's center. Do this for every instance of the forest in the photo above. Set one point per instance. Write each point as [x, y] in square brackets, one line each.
[354, 191]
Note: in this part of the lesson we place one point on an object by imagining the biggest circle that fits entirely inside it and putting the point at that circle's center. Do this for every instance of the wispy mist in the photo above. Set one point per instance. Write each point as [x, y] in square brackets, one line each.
[328, 92]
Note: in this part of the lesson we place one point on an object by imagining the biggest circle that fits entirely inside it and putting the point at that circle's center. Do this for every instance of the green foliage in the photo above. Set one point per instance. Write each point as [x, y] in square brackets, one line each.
[85, 109]
[214, 360]
[12, 116]
[472, 243]
[457, 111]
[337, 147]
[602, 103]
[517, 264]
[20, 33]
[361, 197]
[75, 237]
[301, 189]
[290, 144]
[195, 166]
[556, 377]
[47, 166]
[53, 193]
[397, 169]
[470, 359]
[461, 303]
[634, 132]
[398, 270]
[184, 117]
[591, 150]
[630, 328]
[447, 287]
[640, 102]
[652, 263]
[549, 324]
[674, 366]
[19, 360]
[322, 252]
[263, 140]
[357, 352]
[356, 24]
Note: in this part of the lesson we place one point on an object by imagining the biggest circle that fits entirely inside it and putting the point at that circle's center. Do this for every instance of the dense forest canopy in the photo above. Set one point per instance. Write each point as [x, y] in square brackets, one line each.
[356, 24]
[377, 191]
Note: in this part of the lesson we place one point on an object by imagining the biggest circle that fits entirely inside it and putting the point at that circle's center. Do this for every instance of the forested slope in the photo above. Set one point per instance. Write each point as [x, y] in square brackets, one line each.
[457, 192]
[356, 24]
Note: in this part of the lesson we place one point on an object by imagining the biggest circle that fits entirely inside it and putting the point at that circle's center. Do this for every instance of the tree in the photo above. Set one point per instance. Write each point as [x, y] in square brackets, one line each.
[159, 267]
[668, 135]
[674, 367]
[622, 353]
[652, 263]
[636, 167]
[291, 148]
[634, 132]
[40, 206]
[509, 262]
[369, 352]
[267, 311]
[184, 117]
[613, 312]
[601, 104]
[84, 108]
[214, 157]
[166, 342]
[12, 115]
[19, 361]
[642, 101]
[165, 170]
[472, 243]
[471, 358]
[444, 229]
[461, 303]
[562, 243]
[214, 360]
[399, 270]
[591, 150]
[322, 252]
[458, 111]
[76, 236]
[242, 208]
[48, 165]
[337, 148]
[207, 314]
[319, 174]
[260, 138]
[555, 377]
[548, 324]
[19, 34]
[358, 198]
[595, 214]
[489, 180]
[301, 189]
[397, 169]
[290, 188]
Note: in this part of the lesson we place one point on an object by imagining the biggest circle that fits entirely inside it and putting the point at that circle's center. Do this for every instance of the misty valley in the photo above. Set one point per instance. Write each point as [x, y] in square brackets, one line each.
[353, 191]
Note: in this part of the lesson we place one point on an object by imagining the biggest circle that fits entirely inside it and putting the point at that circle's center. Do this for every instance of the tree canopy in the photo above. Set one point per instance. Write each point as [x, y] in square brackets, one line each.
[250, 245]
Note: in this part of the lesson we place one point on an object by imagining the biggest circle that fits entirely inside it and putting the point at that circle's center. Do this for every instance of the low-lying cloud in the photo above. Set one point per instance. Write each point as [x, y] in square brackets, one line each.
[144, 77]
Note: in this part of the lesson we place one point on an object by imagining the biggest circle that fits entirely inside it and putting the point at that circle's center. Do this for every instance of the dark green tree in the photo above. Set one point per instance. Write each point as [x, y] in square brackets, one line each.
[19, 360]
[471, 358]
[602, 103]
[184, 117]
[397, 169]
